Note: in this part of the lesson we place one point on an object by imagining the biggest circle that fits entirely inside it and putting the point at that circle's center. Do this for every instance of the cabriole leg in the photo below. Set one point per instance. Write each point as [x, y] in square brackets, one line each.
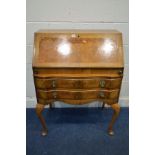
[103, 105]
[51, 105]
[116, 109]
[39, 109]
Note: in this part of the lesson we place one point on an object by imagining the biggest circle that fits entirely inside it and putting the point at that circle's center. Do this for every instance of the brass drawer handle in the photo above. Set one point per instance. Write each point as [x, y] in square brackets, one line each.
[54, 95]
[53, 83]
[102, 94]
[102, 83]
[120, 72]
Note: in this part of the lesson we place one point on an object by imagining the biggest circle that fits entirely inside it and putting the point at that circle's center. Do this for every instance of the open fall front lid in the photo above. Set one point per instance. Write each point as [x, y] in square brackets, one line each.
[78, 48]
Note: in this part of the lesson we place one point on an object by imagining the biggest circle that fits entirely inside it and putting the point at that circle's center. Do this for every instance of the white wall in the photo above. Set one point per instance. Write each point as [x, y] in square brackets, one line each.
[76, 14]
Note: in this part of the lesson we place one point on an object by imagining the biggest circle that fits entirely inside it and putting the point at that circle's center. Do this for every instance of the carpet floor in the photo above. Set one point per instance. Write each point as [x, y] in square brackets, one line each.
[78, 131]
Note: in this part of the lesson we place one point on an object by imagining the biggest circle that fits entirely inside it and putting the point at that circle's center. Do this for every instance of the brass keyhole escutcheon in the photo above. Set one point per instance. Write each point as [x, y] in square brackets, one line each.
[75, 35]
[102, 83]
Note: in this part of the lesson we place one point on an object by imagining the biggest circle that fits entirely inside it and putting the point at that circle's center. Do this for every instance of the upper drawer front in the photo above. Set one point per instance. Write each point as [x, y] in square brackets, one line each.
[77, 72]
[78, 83]
[77, 95]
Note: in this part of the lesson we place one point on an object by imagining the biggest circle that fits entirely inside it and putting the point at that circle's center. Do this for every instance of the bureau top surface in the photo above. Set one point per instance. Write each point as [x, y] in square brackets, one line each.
[77, 31]
[78, 48]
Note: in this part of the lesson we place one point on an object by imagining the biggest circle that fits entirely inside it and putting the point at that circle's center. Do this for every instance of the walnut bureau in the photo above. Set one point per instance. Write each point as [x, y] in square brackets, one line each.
[77, 67]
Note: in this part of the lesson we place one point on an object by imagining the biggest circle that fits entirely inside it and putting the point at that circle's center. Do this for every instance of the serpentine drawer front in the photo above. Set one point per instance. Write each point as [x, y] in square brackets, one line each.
[78, 67]
[77, 95]
[52, 83]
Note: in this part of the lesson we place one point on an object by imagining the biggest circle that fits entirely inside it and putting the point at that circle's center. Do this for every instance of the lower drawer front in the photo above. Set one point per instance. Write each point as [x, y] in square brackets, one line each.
[78, 83]
[78, 95]
[82, 101]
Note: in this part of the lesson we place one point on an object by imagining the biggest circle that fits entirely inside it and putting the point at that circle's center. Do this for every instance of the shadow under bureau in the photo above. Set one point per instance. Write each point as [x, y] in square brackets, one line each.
[77, 67]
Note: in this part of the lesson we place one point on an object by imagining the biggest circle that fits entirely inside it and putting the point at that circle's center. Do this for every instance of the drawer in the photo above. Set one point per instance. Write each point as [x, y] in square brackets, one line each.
[53, 83]
[78, 95]
[82, 101]
[77, 72]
